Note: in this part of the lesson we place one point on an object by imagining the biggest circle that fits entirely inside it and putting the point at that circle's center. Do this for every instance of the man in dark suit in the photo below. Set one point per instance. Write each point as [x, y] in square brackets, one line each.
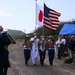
[4, 60]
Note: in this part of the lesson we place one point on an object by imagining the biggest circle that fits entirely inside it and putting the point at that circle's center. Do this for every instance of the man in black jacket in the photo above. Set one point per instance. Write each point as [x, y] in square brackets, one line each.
[4, 60]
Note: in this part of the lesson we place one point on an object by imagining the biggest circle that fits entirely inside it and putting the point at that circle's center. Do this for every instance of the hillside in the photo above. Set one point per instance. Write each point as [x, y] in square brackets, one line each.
[15, 33]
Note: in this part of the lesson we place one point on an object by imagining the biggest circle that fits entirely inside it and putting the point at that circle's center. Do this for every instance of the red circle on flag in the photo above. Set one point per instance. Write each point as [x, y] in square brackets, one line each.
[40, 16]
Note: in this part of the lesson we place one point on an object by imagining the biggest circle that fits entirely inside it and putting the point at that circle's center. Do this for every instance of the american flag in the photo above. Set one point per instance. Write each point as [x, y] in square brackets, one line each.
[51, 20]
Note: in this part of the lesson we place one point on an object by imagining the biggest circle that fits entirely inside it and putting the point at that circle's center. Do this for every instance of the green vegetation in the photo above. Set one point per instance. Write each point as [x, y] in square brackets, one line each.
[55, 33]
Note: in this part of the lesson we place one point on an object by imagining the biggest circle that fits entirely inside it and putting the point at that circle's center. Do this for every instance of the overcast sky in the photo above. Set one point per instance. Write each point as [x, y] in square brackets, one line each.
[20, 14]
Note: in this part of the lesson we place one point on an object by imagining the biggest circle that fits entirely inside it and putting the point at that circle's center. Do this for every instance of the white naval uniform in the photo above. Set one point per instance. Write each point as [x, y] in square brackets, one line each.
[34, 52]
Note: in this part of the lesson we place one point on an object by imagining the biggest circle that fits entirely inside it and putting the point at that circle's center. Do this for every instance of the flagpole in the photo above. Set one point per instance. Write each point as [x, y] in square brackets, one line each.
[35, 14]
[43, 21]
[43, 31]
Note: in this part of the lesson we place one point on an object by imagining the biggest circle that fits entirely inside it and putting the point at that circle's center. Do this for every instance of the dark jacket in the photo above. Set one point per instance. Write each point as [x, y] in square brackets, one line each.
[4, 41]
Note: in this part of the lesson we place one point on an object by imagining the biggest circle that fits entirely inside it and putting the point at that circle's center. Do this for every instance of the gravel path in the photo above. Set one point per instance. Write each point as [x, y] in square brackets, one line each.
[19, 68]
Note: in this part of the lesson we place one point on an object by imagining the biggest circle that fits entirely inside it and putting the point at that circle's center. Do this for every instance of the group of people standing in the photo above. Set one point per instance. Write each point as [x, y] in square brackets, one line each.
[34, 47]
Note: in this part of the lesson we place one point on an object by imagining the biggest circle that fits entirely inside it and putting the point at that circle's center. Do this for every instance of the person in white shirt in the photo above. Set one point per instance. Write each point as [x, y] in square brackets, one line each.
[58, 44]
[61, 42]
[34, 51]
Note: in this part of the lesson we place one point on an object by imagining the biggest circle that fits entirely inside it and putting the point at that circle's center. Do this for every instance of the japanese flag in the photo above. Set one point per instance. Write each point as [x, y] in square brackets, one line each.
[39, 15]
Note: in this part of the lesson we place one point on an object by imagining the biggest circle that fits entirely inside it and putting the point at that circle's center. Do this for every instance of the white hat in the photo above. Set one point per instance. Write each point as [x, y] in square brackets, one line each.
[31, 39]
[27, 35]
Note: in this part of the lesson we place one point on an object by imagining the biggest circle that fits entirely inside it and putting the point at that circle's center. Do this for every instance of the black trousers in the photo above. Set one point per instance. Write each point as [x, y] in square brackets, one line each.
[51, 54]
[42, 56]
[3, 71]
[59, 53]
[27, 55]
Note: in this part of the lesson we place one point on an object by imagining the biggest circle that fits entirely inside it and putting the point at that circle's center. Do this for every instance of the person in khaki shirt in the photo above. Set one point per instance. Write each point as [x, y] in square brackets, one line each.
[50, 48]
[27, 49]
[42, 51]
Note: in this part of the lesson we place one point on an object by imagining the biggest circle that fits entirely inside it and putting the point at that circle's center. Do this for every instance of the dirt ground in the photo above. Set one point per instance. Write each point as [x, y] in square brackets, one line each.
[18, 66]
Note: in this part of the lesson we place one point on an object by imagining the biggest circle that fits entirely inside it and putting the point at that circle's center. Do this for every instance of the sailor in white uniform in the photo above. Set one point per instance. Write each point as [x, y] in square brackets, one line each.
[34, 51]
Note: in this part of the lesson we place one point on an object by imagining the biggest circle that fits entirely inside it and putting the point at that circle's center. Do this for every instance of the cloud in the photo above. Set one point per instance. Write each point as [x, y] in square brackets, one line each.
[5, 14]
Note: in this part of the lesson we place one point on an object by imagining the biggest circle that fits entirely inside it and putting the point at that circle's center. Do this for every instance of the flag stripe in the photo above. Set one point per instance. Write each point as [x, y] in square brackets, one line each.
[48, 27]
[46, 19]
[49, 24]
[53, 16]
[54, 12]
[54, 20]
[56, 23]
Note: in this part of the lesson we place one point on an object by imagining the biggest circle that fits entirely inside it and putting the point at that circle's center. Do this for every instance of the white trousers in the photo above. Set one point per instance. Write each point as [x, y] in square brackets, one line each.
[34, 55]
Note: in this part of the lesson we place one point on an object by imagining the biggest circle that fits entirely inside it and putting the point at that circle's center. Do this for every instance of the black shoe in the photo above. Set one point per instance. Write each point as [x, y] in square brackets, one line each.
[51, 64]
[34, 64]
[26, 63]
[42, 64]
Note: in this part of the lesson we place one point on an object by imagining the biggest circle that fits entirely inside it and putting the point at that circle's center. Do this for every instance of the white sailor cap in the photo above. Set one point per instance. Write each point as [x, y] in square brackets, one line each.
[27, 35]
[41, 36]
[31, 39]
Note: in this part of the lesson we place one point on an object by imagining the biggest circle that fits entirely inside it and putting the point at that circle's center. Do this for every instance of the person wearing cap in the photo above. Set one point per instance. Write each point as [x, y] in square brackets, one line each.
[4, 59]
[34, 51]
[27, 49]
[50, 48]
[42, 50]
